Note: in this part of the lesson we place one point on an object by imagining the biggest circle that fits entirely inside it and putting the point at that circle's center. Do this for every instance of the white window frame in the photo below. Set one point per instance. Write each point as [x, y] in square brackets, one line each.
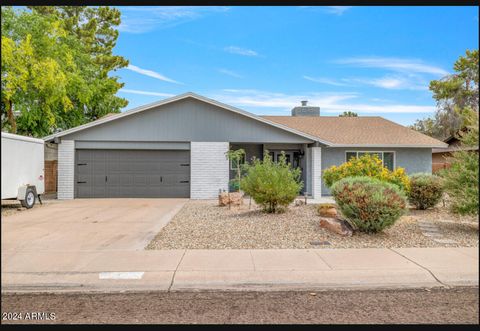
[232, 168]
[371, 152]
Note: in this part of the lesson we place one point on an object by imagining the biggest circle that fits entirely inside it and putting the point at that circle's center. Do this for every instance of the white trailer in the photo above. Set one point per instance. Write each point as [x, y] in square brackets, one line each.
[22, 168]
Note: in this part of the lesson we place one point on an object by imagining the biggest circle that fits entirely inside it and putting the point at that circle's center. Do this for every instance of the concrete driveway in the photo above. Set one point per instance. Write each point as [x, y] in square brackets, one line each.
[88, 225]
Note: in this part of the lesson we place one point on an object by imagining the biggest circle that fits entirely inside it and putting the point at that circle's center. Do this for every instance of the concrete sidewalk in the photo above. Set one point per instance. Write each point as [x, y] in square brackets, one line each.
[281, 269]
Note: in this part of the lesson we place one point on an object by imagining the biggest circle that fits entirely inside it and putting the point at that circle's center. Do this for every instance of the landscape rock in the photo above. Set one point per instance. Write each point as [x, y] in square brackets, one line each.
[330, 212]
[223, 199]
[236, 198]
[337, 226]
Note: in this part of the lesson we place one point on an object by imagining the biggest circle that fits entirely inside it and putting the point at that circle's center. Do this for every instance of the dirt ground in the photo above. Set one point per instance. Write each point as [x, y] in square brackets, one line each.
[436, 306]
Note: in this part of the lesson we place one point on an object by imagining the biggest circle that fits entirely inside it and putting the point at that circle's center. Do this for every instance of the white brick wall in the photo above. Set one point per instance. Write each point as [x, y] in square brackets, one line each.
[66, 166]
[308, 163]
[208, 169]
[316, 172]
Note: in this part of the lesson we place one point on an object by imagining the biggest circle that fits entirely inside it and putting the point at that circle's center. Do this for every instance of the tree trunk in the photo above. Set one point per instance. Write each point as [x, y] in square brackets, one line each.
[11, 117]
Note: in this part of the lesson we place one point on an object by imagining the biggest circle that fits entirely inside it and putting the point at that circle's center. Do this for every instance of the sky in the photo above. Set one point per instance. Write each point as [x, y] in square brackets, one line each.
[375, 61]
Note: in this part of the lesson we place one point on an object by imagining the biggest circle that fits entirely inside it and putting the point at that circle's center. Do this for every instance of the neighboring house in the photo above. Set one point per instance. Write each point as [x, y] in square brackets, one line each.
[176, 148]
[440, 156]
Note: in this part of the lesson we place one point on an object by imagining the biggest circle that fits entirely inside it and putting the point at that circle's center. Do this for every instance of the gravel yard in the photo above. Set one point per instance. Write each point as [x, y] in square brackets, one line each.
[205, 225]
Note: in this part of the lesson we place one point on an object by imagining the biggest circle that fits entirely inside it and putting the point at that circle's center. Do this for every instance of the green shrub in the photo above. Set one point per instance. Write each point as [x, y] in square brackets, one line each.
[461, 179]
[366, 165]
[272, 185]
[425, 191]
[368, 203]
[461, 182]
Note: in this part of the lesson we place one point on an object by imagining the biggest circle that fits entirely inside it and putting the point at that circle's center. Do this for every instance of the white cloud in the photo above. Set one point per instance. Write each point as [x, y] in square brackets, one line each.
[147, 18]
[323, 80]
[256, 98]
[230, 73]
[158, 94]
[397, 82]
[240, 51]
[151, 73]
[333, 103]
[394, 64]
[337, 10]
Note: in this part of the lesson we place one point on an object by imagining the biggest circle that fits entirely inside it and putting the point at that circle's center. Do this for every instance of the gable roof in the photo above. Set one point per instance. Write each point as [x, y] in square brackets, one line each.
[140, 109]
[331, 131]
[364, 131]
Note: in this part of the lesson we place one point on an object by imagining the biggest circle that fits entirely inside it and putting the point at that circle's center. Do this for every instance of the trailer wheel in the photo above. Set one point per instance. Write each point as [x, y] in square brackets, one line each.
[29, 200]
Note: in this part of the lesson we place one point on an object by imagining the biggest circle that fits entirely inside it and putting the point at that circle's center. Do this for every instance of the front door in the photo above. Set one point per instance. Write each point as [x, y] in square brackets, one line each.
[292, 157]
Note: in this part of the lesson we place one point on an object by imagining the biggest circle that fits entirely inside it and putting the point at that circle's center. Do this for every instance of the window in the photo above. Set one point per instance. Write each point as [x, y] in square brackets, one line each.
[349, 155]
[388, 158]
[234, 165]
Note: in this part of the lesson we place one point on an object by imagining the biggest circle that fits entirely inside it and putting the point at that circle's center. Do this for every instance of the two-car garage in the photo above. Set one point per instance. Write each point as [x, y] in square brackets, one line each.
[102, 173]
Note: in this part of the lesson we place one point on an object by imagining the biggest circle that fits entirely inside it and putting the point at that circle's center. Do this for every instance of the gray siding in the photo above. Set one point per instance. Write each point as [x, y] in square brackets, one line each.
[187, 120]
[412, 159]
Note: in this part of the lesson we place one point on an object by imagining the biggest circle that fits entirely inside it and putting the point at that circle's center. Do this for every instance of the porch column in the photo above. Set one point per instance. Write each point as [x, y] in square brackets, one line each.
[316, 170]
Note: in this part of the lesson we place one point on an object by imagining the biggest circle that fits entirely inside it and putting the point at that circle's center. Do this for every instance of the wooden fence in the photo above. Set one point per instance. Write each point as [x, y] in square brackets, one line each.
[50, 176]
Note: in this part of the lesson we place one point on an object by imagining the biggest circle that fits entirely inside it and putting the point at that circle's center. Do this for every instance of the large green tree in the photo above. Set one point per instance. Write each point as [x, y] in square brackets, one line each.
[56, 70]
[96, 28]
[455, 95]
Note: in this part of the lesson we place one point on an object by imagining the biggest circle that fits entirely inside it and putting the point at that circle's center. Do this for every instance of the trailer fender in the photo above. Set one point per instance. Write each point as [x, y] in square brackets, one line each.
[22, 191]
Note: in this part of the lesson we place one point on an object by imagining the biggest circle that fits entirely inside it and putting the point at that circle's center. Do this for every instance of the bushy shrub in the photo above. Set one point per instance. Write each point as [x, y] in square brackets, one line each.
[368, 203]
[425, 191]
[461, 182]
[366, 165]
[271, 184]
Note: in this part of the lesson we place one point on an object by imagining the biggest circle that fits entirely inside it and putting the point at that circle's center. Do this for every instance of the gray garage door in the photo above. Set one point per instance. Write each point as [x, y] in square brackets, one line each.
[132, 174]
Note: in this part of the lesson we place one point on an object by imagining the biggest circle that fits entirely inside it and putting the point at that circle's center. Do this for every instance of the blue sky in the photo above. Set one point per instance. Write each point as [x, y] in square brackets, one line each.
[376, 61]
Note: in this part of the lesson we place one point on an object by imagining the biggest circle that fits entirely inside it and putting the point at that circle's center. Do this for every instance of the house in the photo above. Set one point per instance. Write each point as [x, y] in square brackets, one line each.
[176, 148]
[440, 155]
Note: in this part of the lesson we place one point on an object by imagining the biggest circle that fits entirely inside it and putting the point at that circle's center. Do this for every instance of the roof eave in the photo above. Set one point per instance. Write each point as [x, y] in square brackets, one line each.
[390, 145]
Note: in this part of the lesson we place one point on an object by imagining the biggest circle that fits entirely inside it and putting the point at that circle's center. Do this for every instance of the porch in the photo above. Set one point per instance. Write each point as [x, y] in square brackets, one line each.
[307, 157]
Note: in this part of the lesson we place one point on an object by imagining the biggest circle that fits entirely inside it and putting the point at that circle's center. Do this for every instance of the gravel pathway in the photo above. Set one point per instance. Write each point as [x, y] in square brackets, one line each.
[204, 225]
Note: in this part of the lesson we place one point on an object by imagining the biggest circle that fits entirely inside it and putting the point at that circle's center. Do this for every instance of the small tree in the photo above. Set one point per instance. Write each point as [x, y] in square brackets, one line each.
[272, 184]
[236, 157]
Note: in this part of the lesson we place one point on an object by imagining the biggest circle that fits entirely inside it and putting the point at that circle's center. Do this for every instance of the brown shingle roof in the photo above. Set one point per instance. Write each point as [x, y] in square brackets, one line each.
[363, 130]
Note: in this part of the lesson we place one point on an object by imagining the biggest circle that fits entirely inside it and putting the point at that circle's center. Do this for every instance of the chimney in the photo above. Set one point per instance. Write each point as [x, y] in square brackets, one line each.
[305, 110]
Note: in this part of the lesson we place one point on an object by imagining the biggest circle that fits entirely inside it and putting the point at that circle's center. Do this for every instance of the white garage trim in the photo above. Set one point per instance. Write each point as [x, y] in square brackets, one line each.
[208, 169]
